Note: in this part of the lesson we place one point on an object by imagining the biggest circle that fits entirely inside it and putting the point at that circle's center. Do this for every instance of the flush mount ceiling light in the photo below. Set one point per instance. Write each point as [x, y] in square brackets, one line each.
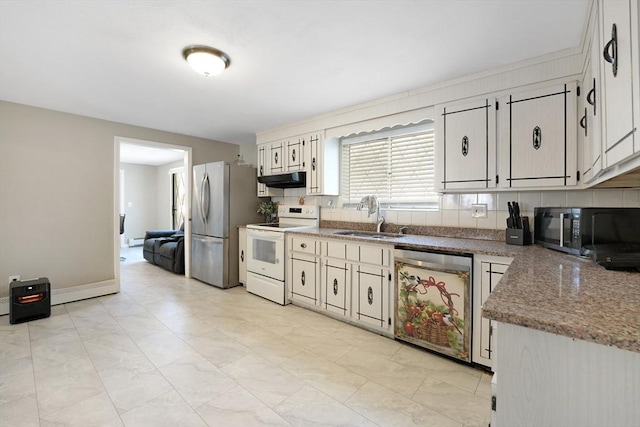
[206, 60]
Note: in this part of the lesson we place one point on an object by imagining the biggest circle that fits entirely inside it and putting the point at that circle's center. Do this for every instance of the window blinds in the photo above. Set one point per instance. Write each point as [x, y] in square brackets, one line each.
[397, 169]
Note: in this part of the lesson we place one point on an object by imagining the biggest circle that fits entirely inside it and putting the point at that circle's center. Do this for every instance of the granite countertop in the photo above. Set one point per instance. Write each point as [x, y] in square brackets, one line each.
[544, 289]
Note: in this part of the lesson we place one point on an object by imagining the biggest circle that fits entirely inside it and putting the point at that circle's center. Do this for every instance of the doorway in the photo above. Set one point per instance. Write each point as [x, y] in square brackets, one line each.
[155, 194]
[178, 198]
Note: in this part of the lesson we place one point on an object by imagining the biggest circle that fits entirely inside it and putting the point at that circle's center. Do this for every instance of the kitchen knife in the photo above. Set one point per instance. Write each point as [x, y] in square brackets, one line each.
[516, 215]
[510, 223]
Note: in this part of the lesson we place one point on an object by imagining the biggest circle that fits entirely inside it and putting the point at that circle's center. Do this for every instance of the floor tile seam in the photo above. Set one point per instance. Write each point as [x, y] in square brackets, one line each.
[44, 416]
[346, 402]
[457, 386]
[275, 408]
[445, 414]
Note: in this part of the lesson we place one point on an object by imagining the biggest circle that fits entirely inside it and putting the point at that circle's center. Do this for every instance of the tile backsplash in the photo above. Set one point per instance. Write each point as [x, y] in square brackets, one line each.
[455, 208]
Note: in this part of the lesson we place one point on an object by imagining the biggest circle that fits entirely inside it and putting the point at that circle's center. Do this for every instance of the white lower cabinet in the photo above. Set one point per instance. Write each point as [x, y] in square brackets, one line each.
[487, 272]
[336, 286]
[303, 280]
[242, 255]
[346, 280]
[371, 296]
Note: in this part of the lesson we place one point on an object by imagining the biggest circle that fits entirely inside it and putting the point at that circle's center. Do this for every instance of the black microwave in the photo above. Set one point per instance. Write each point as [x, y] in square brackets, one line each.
[577, 230]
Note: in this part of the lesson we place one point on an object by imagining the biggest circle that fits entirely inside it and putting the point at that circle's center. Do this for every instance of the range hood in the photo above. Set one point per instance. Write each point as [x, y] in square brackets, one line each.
[285, 180]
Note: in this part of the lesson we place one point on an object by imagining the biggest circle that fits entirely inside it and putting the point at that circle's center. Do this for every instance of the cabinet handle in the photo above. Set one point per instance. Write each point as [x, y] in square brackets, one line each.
[313, 164]
[537, 137]
[591, 96]
[261, 170]
[370, 295]
[242, 256]
[303, 279]
[275, 157]
[335, 286]
[303, 245]
[612, 45]
[465, 145]
[583, 121]
[293, 155]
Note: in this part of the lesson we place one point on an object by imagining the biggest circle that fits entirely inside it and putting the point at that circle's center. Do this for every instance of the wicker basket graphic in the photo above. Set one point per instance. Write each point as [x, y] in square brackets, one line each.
[434, 333]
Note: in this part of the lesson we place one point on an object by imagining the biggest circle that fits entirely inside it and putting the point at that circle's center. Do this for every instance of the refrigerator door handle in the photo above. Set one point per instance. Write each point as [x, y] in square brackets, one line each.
[205, 198]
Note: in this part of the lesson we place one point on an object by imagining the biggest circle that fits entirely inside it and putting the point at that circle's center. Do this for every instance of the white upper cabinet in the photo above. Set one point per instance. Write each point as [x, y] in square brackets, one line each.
[616, 50]
[277, 158]
[466, 145]
[264, 168]
[322, 164]
[295, 154]
[538, 130]
[590, 132]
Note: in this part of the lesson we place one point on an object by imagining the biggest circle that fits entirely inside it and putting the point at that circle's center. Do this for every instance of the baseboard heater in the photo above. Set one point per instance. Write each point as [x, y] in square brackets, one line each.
[137, 241]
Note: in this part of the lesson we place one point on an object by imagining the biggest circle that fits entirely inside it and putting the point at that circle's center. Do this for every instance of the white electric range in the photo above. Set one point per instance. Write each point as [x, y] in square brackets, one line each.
[267, 252]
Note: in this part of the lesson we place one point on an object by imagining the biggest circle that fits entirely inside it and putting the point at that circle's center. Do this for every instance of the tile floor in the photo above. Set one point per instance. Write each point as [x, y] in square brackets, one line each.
[167, 351]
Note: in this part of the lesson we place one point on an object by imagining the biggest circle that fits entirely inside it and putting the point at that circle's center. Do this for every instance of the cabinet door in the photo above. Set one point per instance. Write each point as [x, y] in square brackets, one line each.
[370, 296]
[262, 168]
[466, 141]
[617, 79]
[242, 255]
[314, 173]
[490, 276]
[322, 164]
[538, 137]
[593, 97]
[303, 280]
[335, 295]
[295, 154]
[276, 159]
[585, 132]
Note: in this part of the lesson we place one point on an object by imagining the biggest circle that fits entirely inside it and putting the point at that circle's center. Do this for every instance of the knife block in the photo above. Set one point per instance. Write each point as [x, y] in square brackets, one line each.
[518, 236]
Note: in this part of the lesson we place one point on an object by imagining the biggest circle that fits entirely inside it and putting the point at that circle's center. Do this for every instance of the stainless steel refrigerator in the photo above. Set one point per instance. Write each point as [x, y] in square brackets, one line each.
[225, 196]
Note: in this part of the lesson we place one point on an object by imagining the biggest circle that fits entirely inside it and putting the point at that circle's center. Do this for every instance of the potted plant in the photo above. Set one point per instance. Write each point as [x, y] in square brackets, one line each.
[269, 209]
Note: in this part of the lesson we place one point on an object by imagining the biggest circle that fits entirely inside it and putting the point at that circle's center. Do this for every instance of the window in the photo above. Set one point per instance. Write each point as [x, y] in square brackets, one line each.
[397, 166]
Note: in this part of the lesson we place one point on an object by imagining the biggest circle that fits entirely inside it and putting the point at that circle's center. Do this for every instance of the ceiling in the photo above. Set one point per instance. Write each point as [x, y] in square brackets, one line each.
[121, 60]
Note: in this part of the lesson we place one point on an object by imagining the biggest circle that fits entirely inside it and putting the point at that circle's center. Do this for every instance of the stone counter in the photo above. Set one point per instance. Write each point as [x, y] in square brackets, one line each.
[545, 290]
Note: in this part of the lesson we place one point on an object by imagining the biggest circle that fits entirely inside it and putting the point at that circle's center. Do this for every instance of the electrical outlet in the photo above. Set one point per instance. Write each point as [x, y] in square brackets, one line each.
[14, 278]
[479, 211]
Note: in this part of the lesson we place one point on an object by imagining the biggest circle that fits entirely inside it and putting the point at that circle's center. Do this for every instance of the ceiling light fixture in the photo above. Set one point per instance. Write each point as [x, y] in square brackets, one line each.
[206, 60]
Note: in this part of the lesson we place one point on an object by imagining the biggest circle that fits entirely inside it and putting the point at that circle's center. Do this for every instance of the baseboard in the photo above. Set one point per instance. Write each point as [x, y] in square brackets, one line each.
[137, 241]
[73, 293]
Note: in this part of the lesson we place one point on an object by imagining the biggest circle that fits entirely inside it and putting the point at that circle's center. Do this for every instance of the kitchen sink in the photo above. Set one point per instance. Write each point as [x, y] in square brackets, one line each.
[369, 234]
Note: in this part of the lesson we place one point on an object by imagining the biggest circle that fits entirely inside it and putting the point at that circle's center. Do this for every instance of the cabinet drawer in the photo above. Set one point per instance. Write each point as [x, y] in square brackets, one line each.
[335, 295]
[341, 250]
[370, 290]
[303, 281]
[374, 255]
[307, 245]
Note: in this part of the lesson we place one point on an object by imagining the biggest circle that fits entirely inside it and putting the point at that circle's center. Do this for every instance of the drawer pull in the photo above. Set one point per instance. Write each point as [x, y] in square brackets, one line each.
[335, 286]
[612, 45]
[465, 145]
[242, 256]
[303, 279]
[303, 245]
[537, 137]
[370, 295]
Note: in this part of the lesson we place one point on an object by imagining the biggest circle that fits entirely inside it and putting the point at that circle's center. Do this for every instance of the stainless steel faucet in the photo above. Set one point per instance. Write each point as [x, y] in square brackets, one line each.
[373, 207]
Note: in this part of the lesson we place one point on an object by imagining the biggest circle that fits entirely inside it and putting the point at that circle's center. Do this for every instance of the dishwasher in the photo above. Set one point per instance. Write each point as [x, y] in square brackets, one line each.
[433, 301]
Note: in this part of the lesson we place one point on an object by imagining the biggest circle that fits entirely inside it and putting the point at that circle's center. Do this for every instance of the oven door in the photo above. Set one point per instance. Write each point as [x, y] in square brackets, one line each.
[265, 253]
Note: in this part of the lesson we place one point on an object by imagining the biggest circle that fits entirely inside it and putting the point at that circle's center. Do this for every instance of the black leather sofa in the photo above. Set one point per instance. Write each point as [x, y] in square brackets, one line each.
[165, 248]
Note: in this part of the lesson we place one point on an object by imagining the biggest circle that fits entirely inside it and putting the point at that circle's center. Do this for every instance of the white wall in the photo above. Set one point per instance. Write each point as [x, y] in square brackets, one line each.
[57, 192]
[140, 199]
